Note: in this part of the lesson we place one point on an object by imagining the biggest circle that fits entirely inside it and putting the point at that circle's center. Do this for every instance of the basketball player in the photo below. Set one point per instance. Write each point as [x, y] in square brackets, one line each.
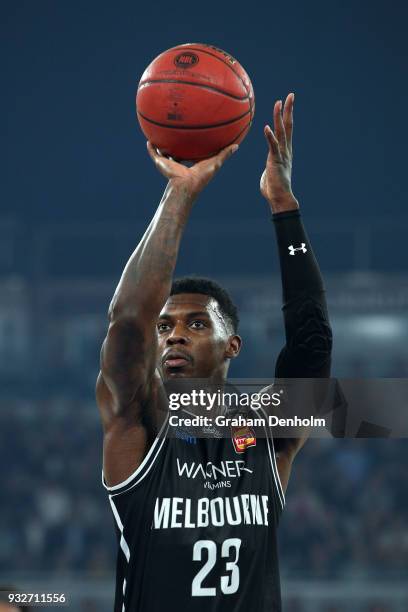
[196, 518]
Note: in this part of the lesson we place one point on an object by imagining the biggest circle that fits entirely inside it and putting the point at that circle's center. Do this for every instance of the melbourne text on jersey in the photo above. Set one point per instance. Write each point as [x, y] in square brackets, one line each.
[184, 512]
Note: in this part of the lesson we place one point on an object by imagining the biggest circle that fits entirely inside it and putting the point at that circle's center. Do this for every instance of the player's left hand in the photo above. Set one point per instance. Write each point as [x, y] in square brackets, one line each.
[195, 177]
[276, 185]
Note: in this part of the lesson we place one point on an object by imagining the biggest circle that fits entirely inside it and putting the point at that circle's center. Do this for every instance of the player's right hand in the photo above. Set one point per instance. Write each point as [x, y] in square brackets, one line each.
[195, 178]
[276, 180]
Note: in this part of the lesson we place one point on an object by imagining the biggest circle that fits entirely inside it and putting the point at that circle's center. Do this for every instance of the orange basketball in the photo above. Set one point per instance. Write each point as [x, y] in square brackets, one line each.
[193, 100]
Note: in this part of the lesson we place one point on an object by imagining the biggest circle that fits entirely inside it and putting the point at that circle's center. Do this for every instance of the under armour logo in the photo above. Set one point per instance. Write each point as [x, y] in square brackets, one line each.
[292, 249]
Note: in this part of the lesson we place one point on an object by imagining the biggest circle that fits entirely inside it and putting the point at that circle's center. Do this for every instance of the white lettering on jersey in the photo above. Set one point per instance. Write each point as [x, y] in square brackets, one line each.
[161, 514]
[265, 507]
[202, 512]
[230, 469]
[245, 503]
[176, 511]
[179, 512]
[187, 522]
[230, 520]
[217, 512]
[222, 484]
[256, 509]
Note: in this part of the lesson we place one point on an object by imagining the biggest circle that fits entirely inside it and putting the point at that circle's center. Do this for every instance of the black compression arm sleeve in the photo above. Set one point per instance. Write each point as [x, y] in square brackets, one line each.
[307, 351]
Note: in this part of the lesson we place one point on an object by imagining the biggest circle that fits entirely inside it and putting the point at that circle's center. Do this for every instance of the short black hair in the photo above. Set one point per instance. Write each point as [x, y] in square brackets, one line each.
[206, 286]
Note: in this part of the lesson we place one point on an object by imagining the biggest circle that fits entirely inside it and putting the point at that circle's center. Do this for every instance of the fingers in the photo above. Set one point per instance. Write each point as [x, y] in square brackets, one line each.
[214, 163]
[279, 127]
[224, 154]
[164, 164]
[273, 143]
[283, 124]
[288, 119]
[154, 153]
[205, 168]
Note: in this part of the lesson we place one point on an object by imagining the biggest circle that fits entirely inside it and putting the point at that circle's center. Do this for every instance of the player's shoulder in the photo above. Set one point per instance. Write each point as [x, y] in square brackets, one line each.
[151, 393]
[152, 399]
[102, 392]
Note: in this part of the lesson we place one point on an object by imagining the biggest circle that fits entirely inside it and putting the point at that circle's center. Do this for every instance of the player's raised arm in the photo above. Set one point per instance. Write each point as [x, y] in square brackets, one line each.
[127, 384]
[307, 352]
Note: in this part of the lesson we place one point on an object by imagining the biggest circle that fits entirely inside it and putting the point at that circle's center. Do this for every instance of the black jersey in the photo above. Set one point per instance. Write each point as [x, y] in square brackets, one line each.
[197, 526]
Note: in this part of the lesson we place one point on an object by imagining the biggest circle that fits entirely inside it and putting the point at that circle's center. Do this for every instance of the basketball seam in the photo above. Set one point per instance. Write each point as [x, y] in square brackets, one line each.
[210, 87]
[248, 125]
[193, 48]
[221, 60]
[194, 127]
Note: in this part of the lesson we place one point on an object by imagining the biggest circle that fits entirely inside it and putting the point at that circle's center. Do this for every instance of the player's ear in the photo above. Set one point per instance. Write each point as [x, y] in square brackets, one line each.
[233, 346]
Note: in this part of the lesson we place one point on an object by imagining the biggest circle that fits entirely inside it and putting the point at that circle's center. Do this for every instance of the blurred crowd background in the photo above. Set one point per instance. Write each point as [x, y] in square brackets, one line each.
[76, 194]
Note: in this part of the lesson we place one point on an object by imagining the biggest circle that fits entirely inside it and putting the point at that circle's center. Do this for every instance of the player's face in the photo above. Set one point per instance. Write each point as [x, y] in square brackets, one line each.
[193, 338]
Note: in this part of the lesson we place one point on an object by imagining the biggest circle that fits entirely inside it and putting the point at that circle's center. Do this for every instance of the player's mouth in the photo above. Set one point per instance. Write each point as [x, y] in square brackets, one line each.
[176, 359]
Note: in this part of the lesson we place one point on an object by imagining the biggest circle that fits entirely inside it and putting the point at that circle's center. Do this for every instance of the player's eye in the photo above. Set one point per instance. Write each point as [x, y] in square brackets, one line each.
[162, 327]
[197, 324]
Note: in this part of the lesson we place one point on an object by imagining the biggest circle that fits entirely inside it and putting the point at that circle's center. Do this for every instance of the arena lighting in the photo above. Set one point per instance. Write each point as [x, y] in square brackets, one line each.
[379, 326]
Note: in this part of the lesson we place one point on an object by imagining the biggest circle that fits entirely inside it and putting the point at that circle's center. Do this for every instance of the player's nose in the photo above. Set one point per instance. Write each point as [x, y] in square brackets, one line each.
[177, 336]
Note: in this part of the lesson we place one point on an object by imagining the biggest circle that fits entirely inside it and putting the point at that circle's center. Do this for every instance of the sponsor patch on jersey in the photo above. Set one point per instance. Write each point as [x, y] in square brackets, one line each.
[242, 438]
